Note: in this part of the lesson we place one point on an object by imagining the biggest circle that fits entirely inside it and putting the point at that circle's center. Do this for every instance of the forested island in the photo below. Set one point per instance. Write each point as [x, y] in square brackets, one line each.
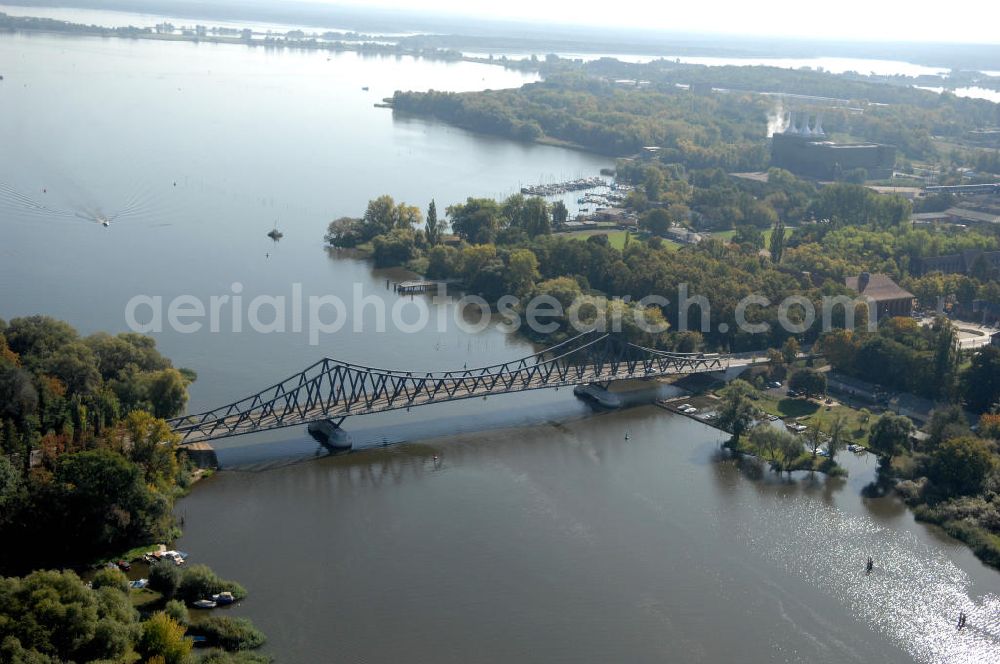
[89, 473]
[337, 42]
[704, 117]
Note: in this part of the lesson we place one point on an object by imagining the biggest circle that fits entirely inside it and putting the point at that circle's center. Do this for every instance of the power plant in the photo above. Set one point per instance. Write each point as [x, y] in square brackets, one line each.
[802, 149]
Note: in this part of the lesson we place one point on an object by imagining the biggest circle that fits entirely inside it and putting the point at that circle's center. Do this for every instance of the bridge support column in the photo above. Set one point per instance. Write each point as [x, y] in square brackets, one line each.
[597, 395]
[329, 434]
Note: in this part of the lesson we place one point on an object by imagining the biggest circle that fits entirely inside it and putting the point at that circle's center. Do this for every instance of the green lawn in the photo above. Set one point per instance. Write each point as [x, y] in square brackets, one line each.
[615, 238]
[140, 597]
[813, 414]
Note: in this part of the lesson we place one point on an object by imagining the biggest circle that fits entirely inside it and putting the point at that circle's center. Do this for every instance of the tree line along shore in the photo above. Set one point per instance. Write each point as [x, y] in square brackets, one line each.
[89, 473]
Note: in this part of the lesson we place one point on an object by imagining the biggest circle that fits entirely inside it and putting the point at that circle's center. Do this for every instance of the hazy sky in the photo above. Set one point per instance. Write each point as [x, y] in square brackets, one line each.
[869, 20]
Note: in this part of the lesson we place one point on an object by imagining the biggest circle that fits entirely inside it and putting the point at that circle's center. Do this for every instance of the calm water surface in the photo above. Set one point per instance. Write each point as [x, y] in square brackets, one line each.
[566, 542]
[557, 540]
[202, 148]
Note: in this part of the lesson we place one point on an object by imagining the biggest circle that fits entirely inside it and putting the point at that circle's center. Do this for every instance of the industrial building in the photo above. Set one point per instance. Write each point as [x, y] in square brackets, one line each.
[802, 149]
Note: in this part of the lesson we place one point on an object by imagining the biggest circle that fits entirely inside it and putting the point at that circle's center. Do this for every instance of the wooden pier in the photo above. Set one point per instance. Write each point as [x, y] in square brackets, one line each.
[416, 286]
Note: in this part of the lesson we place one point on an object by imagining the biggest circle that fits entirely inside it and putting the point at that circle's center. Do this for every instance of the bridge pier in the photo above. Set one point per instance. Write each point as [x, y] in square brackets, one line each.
[329, 434]
[330, 389]
[597, 394]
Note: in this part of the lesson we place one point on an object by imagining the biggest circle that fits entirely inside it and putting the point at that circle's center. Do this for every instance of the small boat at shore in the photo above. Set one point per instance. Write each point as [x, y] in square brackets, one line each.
[204, 604]
[223, 598]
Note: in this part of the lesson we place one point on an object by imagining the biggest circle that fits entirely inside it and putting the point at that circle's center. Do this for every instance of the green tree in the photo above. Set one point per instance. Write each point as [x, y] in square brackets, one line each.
[814, 439]
[777, 241]
[11, 490]
[791, 449]
[656, 221]
[110, 578]
[678, 213]
[946, 358]
[840, 347]
[433, 230]
[394, 248]
[981, 381]
[535, 218]
[654, 183]
[749, 236]
[102, 503]
[166, 392]
[200, 582]
[960, 465]
[50, 616]
[35, 338]
[478, 220]
[522, 270]
[153, 445]
[383, 215]
[776, 363]
[76, 366]
[164, 637]
[380, 216]
[737, 412]
[791, 350]
[164, 577]
[232, 633]
[346, 232]
[809, 381]
[945, 423]
[559, 213]
[690, 341]
[838, 435]
[177, 612]
[890, 434]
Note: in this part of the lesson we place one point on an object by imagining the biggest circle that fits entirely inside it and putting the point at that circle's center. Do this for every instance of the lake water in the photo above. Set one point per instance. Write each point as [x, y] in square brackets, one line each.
[117, 19]
[566, 542]
[556, 540]
[975, 92]
[204, 147]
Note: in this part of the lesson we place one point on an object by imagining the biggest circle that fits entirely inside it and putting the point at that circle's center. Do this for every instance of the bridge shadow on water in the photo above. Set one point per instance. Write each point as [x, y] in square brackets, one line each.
[367, 433]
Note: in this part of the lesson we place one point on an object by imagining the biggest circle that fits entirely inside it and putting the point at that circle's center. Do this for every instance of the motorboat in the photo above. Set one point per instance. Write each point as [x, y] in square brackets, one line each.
[204, 604]
[223, 598]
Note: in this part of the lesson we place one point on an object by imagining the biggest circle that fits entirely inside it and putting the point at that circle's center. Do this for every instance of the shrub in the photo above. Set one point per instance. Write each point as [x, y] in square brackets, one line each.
[216, 656]
[178, 612]
[108, 577]
[231, 633]
[164, 577]
[163, 637]
[200, 582]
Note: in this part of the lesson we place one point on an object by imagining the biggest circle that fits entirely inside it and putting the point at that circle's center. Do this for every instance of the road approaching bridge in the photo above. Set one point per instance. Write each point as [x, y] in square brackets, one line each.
[333, 390]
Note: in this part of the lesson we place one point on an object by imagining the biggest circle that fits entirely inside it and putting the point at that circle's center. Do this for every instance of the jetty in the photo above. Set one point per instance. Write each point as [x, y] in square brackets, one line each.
[557, 188]
[415, 286]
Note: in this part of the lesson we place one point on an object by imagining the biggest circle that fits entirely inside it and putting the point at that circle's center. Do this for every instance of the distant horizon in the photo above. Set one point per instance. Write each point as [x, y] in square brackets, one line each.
[560, 20]
[853, 21]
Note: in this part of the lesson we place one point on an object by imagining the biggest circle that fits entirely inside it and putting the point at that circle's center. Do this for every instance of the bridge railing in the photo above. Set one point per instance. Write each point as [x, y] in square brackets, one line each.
[334, 388]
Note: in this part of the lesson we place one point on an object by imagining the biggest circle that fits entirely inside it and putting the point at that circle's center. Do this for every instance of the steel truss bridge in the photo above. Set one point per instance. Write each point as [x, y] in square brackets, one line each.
[333, 390]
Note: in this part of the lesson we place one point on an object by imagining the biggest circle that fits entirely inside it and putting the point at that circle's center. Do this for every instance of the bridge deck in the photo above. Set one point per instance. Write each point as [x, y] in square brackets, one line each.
[332, 389]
